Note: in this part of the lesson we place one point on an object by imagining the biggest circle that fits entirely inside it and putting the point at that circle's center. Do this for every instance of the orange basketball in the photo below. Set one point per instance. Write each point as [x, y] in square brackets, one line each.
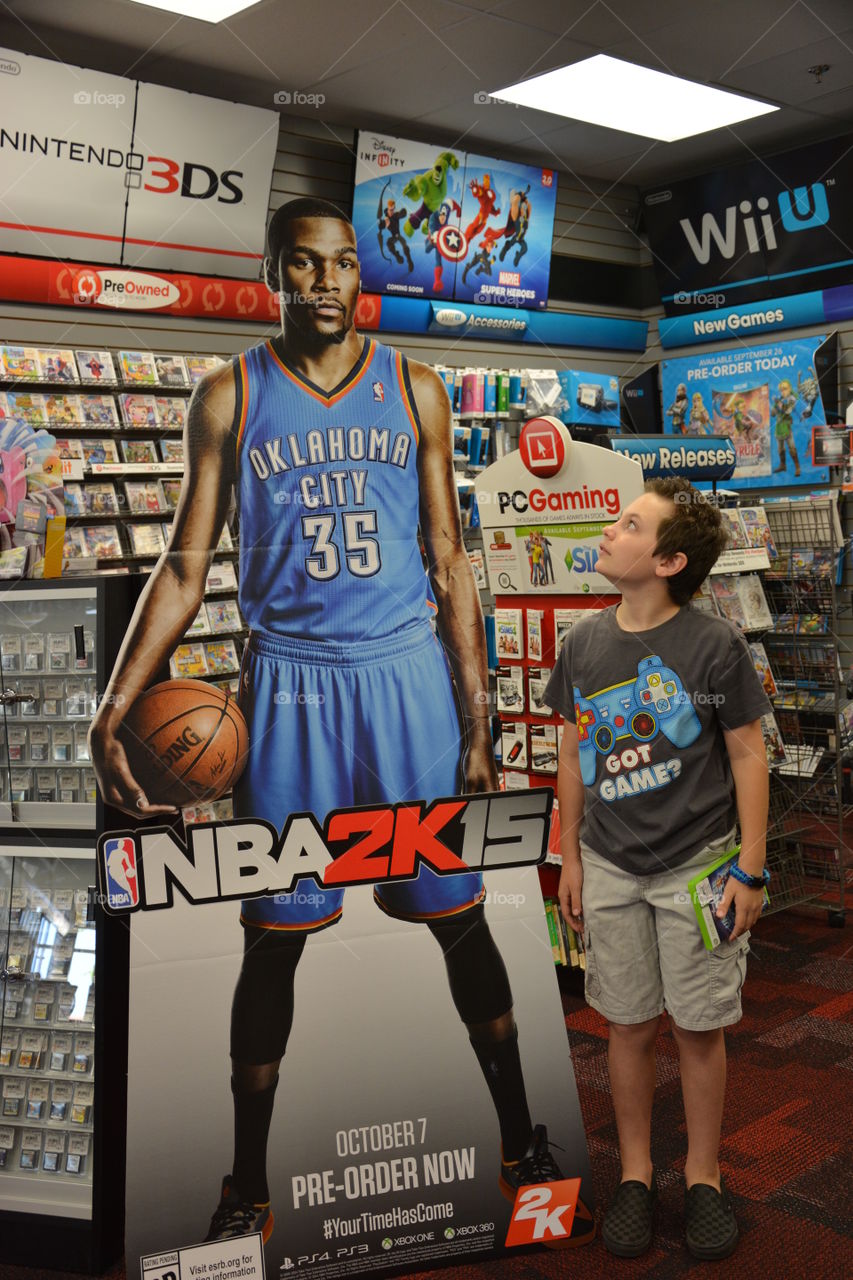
[186, 742]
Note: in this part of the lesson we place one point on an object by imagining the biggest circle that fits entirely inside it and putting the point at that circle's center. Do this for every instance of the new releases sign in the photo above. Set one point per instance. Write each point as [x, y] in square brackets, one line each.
[106, 169]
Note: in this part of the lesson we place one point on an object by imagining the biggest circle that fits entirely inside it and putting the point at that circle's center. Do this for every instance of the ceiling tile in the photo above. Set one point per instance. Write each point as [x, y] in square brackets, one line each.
[786, 77]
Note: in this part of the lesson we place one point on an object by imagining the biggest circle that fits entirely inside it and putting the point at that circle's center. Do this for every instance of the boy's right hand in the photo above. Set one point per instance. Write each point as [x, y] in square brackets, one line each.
[116, 783]
[569, 892]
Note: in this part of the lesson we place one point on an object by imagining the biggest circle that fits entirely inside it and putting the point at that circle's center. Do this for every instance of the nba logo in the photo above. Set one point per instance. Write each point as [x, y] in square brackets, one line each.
[119, 865]
[378, 393]
[542, 446]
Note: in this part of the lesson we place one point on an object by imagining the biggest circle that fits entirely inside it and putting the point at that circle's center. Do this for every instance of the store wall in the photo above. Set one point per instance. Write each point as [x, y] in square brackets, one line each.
[593, 221]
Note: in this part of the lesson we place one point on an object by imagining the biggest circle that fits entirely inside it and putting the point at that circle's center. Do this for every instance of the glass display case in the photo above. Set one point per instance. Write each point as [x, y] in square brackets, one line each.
[47, 1048]
[63, 962]
[48, 688]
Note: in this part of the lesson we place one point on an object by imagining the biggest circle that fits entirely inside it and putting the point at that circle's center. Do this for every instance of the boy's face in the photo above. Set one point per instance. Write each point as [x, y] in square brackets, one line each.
[626, 553]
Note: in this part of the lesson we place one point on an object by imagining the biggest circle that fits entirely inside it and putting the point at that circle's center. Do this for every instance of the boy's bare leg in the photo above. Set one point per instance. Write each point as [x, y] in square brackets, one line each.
[631, 1059]
[703, 1086]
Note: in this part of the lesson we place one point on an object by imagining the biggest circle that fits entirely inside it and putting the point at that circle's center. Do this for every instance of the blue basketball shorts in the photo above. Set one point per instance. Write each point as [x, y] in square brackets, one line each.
[333, 726]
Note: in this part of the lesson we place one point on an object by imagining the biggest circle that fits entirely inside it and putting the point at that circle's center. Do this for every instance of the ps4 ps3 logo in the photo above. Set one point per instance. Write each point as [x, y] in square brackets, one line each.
[799, 210]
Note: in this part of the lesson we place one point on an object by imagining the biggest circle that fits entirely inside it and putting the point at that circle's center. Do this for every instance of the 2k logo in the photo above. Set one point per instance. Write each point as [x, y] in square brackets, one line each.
[543, 1213]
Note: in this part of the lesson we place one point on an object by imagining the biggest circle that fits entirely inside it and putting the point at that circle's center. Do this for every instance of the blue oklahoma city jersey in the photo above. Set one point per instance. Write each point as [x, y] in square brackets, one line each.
[328, 493]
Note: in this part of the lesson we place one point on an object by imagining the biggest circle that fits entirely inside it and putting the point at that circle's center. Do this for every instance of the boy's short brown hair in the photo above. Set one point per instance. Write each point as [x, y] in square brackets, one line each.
[695, 527]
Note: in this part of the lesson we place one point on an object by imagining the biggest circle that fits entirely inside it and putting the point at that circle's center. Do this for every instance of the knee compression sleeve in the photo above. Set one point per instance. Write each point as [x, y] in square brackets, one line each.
[262, 1009]
[478, 979]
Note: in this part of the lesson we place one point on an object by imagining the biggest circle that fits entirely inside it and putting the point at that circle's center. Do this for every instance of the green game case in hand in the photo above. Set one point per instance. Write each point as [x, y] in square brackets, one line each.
[706, 893]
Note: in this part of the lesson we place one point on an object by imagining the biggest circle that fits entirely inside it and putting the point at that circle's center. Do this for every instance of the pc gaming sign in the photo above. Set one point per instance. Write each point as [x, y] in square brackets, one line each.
[543, 509]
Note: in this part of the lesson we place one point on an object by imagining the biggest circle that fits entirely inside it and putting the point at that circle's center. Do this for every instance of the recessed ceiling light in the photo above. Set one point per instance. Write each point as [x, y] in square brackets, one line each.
[204, 10]
[620, 95]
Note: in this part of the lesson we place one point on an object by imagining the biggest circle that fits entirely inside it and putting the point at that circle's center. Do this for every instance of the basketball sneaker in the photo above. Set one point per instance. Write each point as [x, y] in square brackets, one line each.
[537, 1165]
[236, 1217]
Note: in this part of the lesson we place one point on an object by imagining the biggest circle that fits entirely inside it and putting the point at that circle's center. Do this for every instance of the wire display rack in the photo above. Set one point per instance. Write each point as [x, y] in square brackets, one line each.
[808, 854]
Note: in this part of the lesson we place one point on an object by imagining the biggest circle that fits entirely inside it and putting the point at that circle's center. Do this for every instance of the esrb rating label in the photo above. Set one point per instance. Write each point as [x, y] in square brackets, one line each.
[240, 1259]
[543, 1213]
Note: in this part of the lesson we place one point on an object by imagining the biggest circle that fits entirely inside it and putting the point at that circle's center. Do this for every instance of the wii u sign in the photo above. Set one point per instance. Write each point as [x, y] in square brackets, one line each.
[135, 290]
[752, 226]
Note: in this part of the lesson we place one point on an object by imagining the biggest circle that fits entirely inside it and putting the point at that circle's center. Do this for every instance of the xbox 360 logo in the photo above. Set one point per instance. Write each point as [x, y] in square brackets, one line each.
[449, 1233]
[387, 1243]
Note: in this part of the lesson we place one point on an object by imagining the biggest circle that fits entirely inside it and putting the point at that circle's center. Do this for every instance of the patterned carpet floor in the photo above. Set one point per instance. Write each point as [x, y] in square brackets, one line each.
[788, 1127]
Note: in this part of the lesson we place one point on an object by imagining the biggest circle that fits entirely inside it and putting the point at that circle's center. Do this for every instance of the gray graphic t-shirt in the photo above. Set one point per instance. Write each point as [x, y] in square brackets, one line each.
[650, 709]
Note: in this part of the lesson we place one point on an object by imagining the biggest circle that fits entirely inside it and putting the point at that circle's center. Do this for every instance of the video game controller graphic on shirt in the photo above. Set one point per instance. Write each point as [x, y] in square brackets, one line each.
[653, 702]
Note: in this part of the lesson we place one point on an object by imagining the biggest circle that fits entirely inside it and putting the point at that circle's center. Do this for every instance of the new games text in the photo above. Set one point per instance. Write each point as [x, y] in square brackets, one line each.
[247, 858]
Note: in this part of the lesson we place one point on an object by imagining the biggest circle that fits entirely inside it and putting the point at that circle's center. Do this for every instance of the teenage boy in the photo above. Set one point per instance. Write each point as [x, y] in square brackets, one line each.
[668, 745]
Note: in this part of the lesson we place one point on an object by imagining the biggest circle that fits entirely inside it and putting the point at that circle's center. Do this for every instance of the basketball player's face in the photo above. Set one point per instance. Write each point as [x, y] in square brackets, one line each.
[319, 276]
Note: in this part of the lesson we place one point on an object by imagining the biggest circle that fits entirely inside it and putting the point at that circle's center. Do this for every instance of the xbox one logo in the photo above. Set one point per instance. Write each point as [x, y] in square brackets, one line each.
[449, 1233]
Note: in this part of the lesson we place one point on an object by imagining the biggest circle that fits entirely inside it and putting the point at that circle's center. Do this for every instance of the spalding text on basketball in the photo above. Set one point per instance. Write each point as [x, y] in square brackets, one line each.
[181, 746]
[248, 858]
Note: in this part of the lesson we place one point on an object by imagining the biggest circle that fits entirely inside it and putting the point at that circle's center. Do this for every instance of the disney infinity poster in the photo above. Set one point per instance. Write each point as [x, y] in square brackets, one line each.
[442, 223]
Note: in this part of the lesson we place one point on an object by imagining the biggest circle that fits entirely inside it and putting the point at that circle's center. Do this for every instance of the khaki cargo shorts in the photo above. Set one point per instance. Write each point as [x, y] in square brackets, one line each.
[644, 951]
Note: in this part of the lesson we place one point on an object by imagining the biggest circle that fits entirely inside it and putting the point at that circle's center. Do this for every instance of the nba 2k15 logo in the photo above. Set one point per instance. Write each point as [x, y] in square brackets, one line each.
[543, 1214]
[247, 858]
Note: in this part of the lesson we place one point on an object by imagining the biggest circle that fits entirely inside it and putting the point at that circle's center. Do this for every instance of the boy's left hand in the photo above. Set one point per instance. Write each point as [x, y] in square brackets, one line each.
[747, 905]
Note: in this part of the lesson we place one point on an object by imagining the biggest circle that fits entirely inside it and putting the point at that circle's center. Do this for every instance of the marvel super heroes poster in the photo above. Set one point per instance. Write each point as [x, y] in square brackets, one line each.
[442, 223]
[765, 399]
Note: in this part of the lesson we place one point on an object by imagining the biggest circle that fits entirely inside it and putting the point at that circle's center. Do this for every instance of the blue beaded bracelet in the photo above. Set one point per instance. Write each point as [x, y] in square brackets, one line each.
[752, 882]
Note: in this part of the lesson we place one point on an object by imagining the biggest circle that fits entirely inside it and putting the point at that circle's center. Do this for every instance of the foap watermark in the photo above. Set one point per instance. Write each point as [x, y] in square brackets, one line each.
[293, 298]
[504, 899]
[112, 699]
[685, 299]
[700, 699]
[299, 899]
[94, 98]
[484, 99]
[496, 297]
[297, 98]
[696, 497]
[298, 698]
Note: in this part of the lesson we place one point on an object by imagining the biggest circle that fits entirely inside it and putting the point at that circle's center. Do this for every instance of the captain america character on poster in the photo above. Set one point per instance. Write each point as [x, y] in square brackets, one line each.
[476, 229]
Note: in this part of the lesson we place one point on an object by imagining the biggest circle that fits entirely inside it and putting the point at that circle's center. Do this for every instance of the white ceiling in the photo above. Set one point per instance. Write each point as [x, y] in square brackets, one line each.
[413, 67]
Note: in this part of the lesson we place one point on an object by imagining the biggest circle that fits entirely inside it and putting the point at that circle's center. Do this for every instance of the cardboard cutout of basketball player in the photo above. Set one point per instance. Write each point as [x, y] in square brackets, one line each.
[344, 684]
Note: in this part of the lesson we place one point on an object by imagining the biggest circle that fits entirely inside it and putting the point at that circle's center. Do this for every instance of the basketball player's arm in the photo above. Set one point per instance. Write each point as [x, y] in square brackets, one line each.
[174, 591]
[460, 617]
